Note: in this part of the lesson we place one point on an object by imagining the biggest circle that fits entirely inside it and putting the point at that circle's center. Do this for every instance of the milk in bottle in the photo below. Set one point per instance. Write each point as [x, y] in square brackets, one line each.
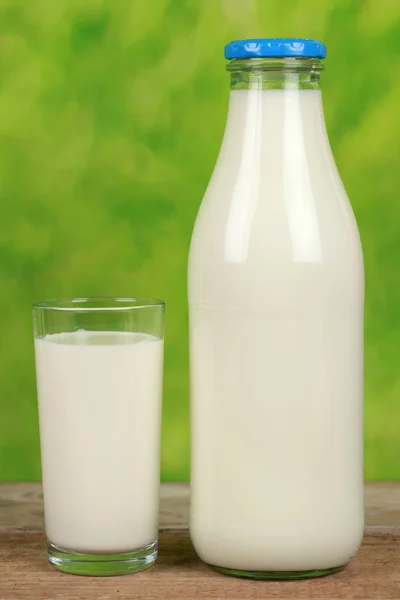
[276, 292]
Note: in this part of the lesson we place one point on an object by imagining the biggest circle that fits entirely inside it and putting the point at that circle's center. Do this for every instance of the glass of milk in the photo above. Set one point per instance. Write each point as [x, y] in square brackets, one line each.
[99, 365]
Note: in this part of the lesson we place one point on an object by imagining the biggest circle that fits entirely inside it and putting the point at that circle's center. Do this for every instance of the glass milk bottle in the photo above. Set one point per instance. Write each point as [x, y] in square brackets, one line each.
[276, 294]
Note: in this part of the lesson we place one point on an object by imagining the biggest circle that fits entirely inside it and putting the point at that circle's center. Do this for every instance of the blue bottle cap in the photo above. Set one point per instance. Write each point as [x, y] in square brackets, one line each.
[275, 47]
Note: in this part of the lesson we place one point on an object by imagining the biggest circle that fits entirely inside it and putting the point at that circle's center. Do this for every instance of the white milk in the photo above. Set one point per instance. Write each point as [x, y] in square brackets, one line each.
[99, 407]
[276, 294]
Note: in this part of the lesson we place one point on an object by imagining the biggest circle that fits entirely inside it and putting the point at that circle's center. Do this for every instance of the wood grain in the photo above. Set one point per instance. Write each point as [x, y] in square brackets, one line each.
[26, 574]
[178, 573]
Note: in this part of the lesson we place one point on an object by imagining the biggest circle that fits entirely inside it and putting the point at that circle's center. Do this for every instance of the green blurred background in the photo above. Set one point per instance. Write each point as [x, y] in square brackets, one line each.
[111, 118]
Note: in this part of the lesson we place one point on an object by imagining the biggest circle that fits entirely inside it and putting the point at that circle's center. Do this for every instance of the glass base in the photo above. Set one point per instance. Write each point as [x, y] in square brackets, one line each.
[277, 575]
[79, 563]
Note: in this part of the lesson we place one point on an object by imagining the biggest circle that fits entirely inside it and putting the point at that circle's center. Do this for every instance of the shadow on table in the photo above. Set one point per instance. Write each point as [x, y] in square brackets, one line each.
[175, 550]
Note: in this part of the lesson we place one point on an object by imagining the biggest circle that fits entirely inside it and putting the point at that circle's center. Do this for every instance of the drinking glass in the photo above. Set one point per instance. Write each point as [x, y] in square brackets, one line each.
[99, 364]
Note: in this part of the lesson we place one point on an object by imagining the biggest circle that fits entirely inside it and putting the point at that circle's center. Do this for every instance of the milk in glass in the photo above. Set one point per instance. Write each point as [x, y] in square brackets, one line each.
[99, 405]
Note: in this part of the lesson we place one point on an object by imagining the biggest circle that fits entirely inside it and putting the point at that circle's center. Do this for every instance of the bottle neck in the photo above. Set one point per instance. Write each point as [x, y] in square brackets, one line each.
[275, 73]
[276, 97]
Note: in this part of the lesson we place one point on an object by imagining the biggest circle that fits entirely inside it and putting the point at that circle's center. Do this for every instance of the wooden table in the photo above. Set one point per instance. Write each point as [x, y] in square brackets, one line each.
[178, 573]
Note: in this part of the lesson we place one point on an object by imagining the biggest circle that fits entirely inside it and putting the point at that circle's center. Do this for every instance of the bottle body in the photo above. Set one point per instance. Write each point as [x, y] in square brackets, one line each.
[276, 291]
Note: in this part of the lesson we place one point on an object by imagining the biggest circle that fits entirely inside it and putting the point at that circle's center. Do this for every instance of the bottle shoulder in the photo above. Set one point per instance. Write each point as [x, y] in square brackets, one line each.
[275, 247]
[275, 209]
[307, 221]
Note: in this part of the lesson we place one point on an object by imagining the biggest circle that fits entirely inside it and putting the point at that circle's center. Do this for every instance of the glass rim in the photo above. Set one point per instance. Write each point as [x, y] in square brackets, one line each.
[98, 303]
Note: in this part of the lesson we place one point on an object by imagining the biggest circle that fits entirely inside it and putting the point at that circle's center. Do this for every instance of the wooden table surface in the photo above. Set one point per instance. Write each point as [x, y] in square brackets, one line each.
[178, 573]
